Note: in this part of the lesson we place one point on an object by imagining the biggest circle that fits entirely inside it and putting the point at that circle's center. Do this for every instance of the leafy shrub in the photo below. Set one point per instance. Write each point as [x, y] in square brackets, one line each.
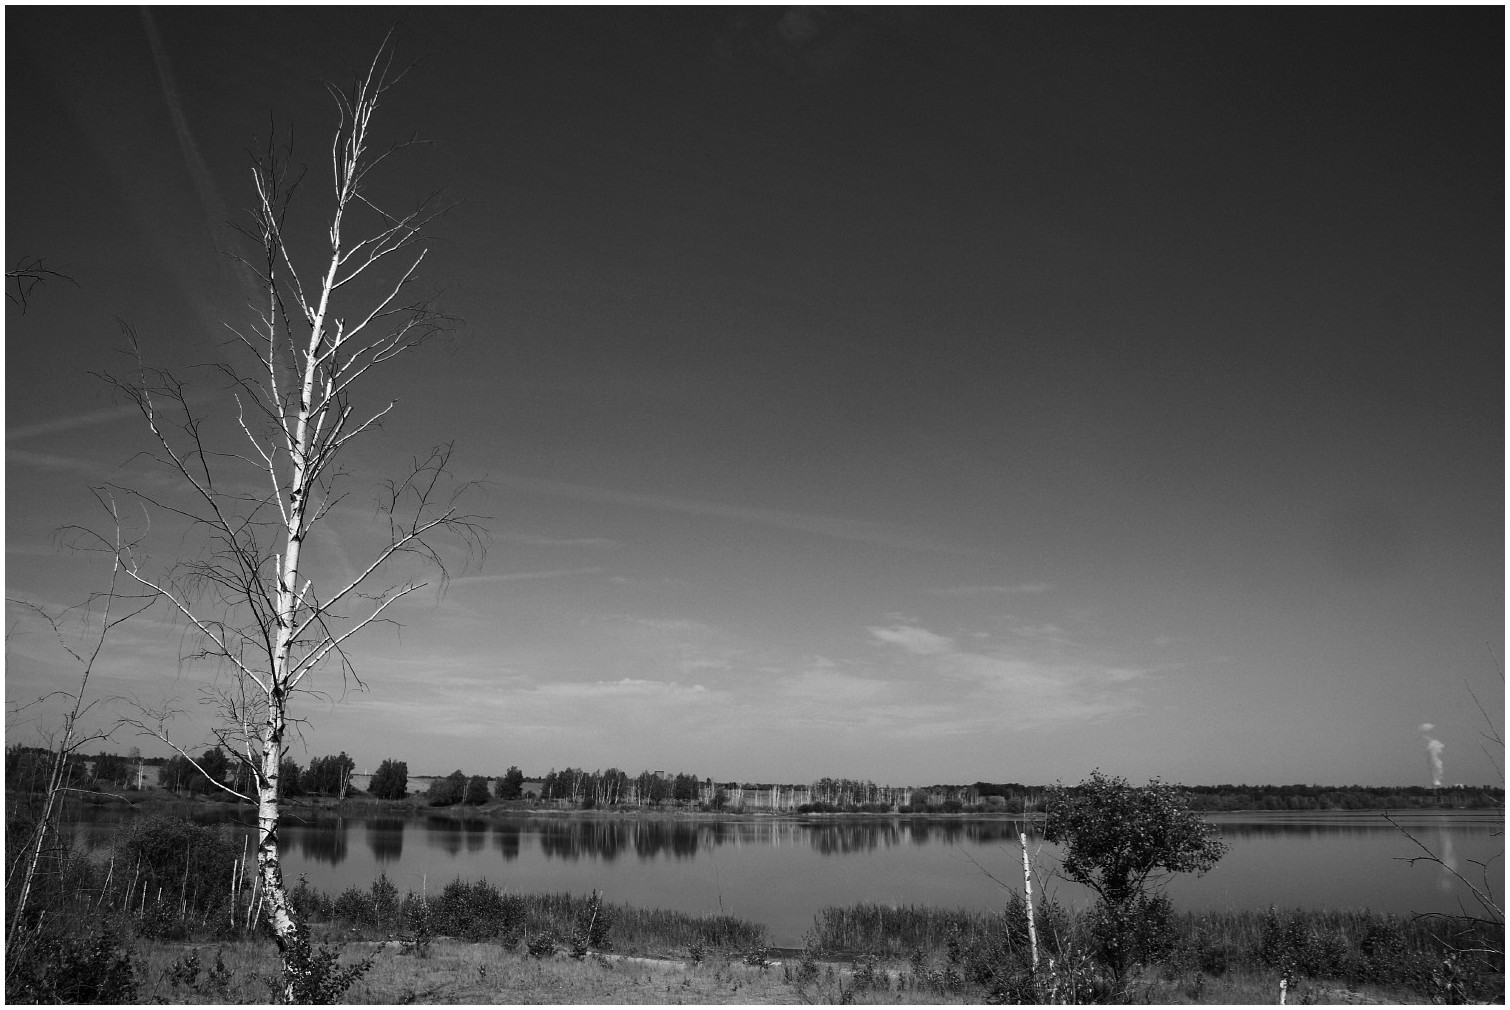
[418, 915]
[478, 911]
[591, 932]
[52, 967]
[352, 905]
[1139, 932]
[1292, 944]
[161, 920]
[215, 987]
[187, 861]
[315, 974]
[310, 904]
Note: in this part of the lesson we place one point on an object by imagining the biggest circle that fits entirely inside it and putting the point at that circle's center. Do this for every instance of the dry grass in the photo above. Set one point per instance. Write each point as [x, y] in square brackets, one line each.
[459, 972]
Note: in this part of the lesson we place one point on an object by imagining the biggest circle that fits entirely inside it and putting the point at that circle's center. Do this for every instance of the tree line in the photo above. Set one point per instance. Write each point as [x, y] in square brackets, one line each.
[26, 769]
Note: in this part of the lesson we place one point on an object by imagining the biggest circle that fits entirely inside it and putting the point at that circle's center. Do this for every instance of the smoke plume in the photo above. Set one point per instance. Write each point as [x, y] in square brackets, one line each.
[1434, 748]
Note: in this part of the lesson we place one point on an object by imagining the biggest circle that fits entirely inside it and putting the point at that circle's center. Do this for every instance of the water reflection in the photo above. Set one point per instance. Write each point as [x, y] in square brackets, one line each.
[1321, 827]
[322, 841]
[385, 836]
[507, 838]
[443, 833]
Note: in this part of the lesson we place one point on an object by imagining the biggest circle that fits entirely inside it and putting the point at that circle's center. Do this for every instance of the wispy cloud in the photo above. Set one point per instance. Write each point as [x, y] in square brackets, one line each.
[535, 540]
[53, 461]
[966, 591]
[554, 573]
[1022, 686]
[918, 641]
[90, 419]
[858, 530]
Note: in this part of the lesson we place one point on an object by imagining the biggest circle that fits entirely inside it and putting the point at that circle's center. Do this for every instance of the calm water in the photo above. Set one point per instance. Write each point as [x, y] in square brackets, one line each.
[782, 873]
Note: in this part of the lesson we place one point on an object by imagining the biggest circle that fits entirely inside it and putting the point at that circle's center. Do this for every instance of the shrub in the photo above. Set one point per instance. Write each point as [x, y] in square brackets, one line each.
[187, 861]
[215, 987]
[1139, 932]
[309, 903]
[1292, 944]
[51, 967]
[478, 911]
[591, 931]
[314, 974]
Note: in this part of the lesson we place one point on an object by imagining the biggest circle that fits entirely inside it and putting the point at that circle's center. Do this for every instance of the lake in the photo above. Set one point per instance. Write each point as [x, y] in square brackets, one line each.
[783, 872]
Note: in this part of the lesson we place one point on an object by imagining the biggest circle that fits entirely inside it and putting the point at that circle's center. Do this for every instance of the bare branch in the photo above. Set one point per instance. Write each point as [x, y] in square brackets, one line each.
[30, 273]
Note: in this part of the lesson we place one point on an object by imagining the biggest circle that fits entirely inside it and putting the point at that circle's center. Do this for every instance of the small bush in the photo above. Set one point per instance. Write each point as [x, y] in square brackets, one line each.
[315, 974]
[310, 904]
[188, 863]
[478, 911]
[1141, 932]
[215, 987]
[50, 967]
[1293, 944]
[541, 945]
[591, 931]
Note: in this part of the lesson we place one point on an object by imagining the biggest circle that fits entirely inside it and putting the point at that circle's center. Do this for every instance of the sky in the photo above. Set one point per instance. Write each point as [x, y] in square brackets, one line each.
[912, 395]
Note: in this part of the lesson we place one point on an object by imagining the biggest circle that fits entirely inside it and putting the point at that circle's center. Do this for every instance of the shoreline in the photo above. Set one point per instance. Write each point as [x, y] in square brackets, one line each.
[413, 806]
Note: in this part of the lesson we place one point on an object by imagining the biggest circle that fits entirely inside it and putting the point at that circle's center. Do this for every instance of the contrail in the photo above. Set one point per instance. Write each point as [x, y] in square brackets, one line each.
[217, 217]
[204, 183]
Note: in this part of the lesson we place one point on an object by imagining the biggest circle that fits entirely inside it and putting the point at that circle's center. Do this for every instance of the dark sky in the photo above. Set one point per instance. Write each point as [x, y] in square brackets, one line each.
[917, 395]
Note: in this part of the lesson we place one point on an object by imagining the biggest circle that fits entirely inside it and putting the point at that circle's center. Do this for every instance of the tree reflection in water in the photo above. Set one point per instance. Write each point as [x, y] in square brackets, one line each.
[323, 840]
[443, 833]
[506, 836]
[385, 836]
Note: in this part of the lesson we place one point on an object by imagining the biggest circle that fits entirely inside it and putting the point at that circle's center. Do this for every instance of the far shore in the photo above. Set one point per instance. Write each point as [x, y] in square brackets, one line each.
[414, 805]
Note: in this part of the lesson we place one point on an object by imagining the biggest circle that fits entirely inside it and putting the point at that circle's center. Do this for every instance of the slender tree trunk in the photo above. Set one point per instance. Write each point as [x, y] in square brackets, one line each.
[1027, 888]
[279, 912]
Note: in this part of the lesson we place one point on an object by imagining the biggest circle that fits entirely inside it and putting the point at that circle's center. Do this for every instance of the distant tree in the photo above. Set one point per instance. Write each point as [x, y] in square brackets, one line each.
[477, 791]
[511, 786]
[290, 780]
[111, 770]
[329, 776]
[447, 791]
[176, 773]
[391, 780]
[685, 788]
[214, 765]
[1118, 839]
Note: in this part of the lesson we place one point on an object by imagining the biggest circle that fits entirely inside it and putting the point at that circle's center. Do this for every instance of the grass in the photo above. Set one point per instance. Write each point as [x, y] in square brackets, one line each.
[472, 942]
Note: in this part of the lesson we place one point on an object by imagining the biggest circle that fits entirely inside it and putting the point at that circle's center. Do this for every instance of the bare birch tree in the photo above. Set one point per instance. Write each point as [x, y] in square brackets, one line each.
[249, 505]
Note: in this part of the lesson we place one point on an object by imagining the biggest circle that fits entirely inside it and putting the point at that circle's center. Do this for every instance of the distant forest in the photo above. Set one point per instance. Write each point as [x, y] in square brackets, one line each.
[25, 770]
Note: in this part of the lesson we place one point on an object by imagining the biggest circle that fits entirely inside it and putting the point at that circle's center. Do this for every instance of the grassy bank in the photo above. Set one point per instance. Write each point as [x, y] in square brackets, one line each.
[471, 942]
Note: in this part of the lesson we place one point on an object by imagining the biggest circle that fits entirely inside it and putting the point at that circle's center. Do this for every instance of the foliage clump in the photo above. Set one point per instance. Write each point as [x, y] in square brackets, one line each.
[1119, 840]
[448, 791]
[52, 966]
[391, 780]
[188, 865]
[313, 974]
